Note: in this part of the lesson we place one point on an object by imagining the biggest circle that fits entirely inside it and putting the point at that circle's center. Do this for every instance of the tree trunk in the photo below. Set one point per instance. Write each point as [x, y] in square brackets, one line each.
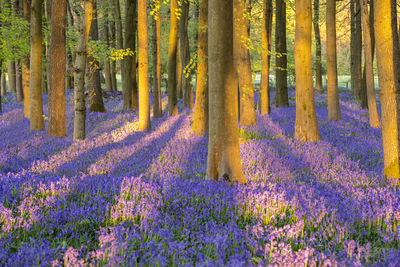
[96, 103]
[356, 47]
[306, 125]
[369, 71]
[18, 81]
[331, 62]
[179, 71]
[265, 57]
[223, 147]
[112, 34]
[35, 90]
[26, 64]
[243, 65]
[389, 105]
[47, 71]
[172, 51]
[11, 77]
[3, 84]
[200, 124]
[318, 54]
[120, 45]
[106, 39]
[156, 25]
[281, 94]
[143, 52]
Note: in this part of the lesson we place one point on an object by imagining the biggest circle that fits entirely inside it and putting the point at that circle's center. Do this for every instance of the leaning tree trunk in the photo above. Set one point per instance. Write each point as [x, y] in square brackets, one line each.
[331, 62]
[223, 147]
[265, 57]
[281, 91]
[306, 125]
[200, 124]
[318, 54]
[369, 71]
[156, 25]
[57, 126]
[389, 105]
[96, 103]
[172, 53]
[143, 52]
[35, 90]
[243, 65]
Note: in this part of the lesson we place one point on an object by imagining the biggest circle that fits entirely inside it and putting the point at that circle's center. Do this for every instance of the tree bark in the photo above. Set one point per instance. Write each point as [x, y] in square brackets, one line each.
[11, 76]
[35, 90]
[57, 125]
[26, 64]
[105, 37]
[156, 25]
[265, 57]
[356, 48]
[3, 84]
[143, 51]
[112, 34]
[389, 105]
[200, 124]
[47, 71]
[223, 147]
[306, 125]
[18, 81]
[318, 48]
[243, 65]
[172, 53]
[281, 93]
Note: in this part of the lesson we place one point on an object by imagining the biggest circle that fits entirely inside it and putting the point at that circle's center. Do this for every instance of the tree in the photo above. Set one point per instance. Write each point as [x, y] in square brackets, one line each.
[57, 125]
[11, 76]
[200, 124]
[333, 94]
[25, 64]
[356, 47]
[172, 53]
[143, 51]
[389, 105]
[156, 25]
[281, 97]
[243, 65]
[369, 71]
[35, 90]
[318, 54]
[306, 125]
[265, 56]
[223, 147]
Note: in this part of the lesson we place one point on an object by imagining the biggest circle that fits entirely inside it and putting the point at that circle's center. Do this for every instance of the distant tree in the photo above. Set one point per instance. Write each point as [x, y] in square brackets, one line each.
[200, 124]
[281, 95]
[172, 58]
[356, 47]
[105, 38]
[57, 126]
[318, 54]
[156, 25]
[223, 148]
[11, 76]
[306, 125]
[265, 56]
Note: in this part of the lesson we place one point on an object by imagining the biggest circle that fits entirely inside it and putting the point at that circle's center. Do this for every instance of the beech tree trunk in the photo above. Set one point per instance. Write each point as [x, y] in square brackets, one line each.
[172, 53]
[281, 93]
[200, 124]
[11, 76]
[223, 147]
[26, 64]
[57, 126]
[318, 49]
[18, 81]
[356, 48]
[369, 71]
[143, 51]
[389, 105]
[265, 57]
[306, 125]
[111, 28]
[3, 84]
[333, 94]
[106, 39]
[35, 90]
[156, 25]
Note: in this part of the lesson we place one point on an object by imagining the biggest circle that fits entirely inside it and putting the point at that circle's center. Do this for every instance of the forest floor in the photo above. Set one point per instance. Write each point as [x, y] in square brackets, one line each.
[124, 197]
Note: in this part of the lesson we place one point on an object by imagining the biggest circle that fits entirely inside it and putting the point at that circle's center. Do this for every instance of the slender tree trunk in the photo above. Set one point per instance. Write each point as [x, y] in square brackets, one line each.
[172, 53]
[120, 45]
[369, 71]
[106, 39]
[356, 48]
[26, 64]
[306, 125]
[179, 71]
[35, 90]
[333, 94]
[243, 65]
[143, 51]
[18, 81]
[266, 43]
[223, 147]
[113, 63]
[281, 95]
[96, 103]
[318, 54]
[200, 124]
[57, 126]
[3, 84]
[156, 25]
[11, 77]
[385, 58]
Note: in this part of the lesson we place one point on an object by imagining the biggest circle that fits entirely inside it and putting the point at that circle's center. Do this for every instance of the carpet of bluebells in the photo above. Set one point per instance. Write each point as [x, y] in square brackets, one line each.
[124, 197]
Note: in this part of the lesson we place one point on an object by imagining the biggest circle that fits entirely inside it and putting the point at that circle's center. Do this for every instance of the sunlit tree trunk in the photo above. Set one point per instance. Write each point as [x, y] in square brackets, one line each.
[265, 57]
[389, 105]
[156, 25]
[369, 71]
[46, 54]
[318, 54]
[172, 58]
[306, 125]
[56, 125]
[179, 71]
[3, 84]
[243, 65]
[223, 147]
[200, 124]
[35, 90]
[143, 51]
[25, 64]
[281, 93]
